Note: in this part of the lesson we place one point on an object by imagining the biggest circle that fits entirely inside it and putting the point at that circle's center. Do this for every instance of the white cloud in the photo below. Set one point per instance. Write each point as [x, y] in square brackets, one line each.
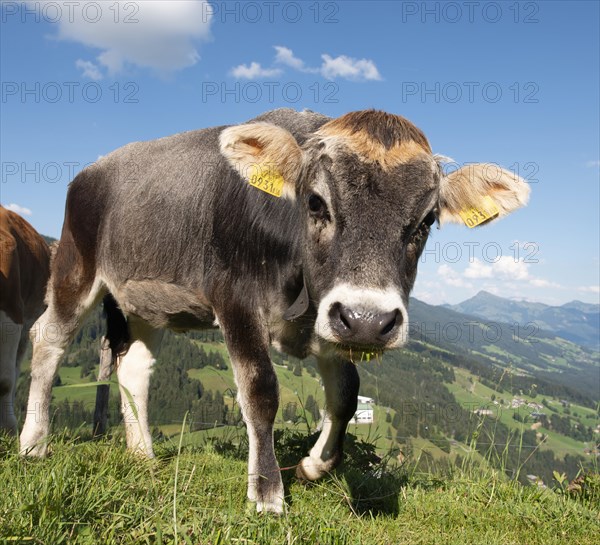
[286, 56]
[541, 283]
[494, 290]
[511, 269]
[431, 297]
[590, 289]
[477, 269]
[593, 164]
[331, 68]
[156, 34]
[89, 69]
[509, 272]
[21, 210]
[506, 268]
[254, 71]
[349, 68]
[451, 277]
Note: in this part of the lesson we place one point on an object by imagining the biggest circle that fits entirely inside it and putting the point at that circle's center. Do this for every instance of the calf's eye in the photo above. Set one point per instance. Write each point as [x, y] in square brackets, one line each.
[429, 219]
[317, 206]
[421, 232]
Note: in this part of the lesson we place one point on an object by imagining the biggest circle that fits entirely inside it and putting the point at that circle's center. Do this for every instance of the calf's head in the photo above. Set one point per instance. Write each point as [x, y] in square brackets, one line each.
[369, 189]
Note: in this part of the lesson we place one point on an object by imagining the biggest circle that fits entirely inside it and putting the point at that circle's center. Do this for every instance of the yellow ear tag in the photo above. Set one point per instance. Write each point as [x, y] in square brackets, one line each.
[267, 179]
[486, 211]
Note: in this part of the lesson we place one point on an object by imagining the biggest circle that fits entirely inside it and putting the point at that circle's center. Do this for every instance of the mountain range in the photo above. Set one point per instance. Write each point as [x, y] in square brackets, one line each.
[575, 321]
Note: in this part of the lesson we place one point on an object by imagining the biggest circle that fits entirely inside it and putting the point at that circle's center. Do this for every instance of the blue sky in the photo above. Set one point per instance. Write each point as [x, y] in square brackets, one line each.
[512, 83]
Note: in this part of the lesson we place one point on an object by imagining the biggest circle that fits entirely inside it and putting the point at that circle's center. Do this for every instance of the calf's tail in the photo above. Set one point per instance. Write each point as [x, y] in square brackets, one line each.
[115, 343]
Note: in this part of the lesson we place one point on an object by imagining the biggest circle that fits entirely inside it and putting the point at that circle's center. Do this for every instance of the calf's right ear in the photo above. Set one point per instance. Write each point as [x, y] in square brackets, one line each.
[265, 155]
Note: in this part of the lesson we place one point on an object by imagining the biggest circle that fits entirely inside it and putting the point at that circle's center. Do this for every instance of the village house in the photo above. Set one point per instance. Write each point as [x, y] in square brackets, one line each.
[517, 402]
[483, 412]
[364, 411]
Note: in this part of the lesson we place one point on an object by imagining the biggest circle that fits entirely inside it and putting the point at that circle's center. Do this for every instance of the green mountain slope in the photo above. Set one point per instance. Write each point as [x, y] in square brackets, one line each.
[444, 396]
[550, 361]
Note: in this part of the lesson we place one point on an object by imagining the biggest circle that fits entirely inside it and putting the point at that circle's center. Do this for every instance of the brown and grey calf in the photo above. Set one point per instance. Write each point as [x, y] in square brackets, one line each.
[182, 231]
[24, 272]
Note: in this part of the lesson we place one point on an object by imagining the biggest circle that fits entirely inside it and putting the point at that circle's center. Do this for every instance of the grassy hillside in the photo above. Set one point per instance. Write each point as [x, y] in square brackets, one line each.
[429, 397]
[470, 392]
[442, 477]
[551, 362]
[94, 492]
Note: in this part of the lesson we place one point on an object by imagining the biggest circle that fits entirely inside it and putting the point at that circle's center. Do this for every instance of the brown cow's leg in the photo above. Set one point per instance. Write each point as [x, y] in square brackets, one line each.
[258, 396]
[10, 336]
[341, 382]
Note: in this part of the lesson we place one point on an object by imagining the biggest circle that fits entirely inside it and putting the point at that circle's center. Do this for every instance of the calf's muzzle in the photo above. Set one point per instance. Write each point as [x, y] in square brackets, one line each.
[365, 329]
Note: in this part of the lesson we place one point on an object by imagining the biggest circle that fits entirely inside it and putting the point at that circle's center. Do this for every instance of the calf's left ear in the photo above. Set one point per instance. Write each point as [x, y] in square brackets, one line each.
[480, 192]
[265, 155]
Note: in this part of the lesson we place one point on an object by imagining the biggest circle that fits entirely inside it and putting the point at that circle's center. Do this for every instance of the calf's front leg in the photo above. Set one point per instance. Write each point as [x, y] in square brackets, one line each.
[341, 382]
[258, 396]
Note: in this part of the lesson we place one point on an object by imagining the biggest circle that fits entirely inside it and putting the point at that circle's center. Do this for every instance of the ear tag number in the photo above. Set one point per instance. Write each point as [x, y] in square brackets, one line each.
[267, 179]
[487, 210]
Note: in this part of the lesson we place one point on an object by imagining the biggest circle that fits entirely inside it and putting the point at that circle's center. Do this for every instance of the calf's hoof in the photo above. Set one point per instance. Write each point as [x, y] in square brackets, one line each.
[33, 449]
[267, 495]
[276, 507]
[309, 470]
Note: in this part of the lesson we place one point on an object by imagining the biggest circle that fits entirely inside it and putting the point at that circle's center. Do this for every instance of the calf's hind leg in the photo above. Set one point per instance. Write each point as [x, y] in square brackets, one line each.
[50, 336]
[133, 371]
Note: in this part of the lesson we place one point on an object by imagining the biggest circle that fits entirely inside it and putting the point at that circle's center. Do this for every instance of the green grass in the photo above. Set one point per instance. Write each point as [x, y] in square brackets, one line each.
[88, 493]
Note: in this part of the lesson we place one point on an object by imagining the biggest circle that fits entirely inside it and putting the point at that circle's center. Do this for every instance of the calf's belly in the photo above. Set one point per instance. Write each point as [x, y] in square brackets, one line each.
[165, 305]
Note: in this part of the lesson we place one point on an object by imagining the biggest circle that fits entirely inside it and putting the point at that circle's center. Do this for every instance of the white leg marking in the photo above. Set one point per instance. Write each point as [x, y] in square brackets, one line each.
[10, 337]
[134, 371]
[315, 464]
[261, 465]
[341, 382]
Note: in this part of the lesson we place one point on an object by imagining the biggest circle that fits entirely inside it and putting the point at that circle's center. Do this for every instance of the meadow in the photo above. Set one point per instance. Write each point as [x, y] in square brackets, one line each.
[90, 492]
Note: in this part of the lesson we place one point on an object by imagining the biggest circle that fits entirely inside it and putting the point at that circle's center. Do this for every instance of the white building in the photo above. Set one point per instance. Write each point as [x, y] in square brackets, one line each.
[364, 411]
[517, 402]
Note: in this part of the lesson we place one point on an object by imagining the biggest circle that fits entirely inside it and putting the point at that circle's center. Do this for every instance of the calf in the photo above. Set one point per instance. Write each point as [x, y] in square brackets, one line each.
[293, 229]
[24, 272]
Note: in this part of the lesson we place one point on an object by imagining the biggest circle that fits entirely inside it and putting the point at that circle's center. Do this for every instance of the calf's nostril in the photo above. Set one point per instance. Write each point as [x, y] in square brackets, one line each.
[345, 318]
[341, 321]
[389, 326]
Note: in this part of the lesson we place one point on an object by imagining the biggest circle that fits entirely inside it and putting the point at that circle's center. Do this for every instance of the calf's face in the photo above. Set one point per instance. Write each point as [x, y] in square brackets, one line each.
[369, 189]
[365, 225]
